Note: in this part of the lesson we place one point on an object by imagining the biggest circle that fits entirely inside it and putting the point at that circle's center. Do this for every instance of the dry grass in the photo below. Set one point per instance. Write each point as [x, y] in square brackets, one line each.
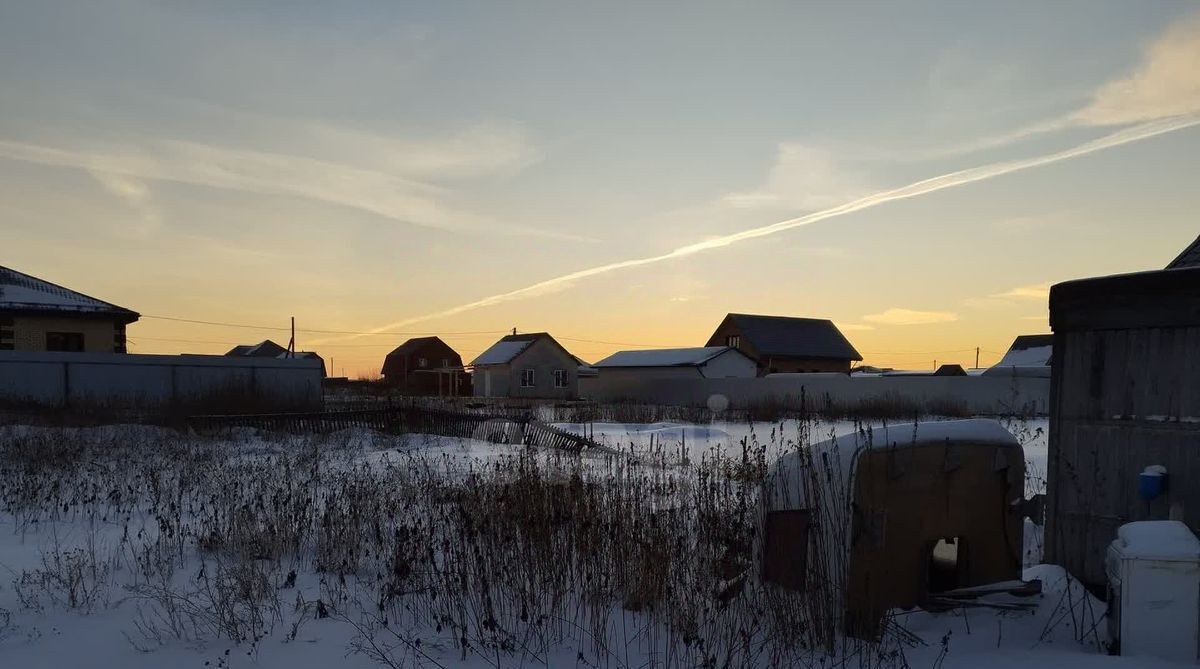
[507, 558]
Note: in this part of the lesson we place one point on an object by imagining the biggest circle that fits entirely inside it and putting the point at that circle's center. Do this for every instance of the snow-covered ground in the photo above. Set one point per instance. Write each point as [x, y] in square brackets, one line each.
[112, 561]
[696, 442]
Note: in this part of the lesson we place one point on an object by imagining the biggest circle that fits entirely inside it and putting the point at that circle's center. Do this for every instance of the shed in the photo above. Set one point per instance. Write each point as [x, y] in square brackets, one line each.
[36, 315]
[532, 365]
[1124, 395]
[887, 518]
[711, 362]
[785, 344]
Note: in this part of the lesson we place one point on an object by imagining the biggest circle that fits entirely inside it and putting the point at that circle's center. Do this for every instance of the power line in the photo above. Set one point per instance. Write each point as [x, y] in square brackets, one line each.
[312, 331]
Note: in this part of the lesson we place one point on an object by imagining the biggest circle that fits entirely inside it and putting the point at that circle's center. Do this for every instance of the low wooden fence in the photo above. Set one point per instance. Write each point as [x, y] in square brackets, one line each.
[407, 420]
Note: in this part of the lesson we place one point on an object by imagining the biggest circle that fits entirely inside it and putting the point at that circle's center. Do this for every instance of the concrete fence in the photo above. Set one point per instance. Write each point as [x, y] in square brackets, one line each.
[183, 383]
[987, 395]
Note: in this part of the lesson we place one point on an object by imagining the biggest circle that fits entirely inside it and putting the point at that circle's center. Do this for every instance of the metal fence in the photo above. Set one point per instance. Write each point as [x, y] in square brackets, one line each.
[408, 420]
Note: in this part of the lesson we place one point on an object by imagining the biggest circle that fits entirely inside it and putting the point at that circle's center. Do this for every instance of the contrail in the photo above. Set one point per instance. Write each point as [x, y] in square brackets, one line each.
[924, 187]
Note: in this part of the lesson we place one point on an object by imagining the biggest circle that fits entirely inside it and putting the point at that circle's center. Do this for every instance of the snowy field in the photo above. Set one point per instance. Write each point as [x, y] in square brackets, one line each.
[141, 547]
[693, 443]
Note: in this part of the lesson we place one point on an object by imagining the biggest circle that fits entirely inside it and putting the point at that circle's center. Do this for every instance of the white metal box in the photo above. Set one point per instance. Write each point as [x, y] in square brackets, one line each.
[1154, 591]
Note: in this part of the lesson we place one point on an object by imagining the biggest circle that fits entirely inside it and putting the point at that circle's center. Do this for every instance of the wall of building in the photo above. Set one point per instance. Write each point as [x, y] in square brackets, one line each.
[490, 381]
[803, 365]
[193, 383]
[730, 364]
[543, 357]
[1127, 399]
[29, 332]
[933, 394]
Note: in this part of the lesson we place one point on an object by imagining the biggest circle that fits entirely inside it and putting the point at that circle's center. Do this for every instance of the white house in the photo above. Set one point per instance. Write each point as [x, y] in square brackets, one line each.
[710, 362]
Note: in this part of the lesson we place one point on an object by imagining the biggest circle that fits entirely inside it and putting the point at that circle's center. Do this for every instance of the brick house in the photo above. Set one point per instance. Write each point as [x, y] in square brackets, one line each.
[36, 315]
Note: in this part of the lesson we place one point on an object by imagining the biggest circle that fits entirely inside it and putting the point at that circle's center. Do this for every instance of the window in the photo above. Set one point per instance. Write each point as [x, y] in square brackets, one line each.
[445, 363]
[527, 378]
[64, 341]
[733, 341]
[560, 378]
[422, 362]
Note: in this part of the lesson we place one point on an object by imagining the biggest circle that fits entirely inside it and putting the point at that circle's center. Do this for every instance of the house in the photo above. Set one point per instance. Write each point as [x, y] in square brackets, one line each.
[36, 315]
[786, 344]
[712, 362]
[425, 366]
[1029, 355]
[263, 349]
[269, 349]
[1189, 258]
[1124, 397]
[530, 365]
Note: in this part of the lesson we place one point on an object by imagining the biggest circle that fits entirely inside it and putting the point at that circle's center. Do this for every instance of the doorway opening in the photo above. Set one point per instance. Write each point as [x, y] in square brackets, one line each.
[945, 560]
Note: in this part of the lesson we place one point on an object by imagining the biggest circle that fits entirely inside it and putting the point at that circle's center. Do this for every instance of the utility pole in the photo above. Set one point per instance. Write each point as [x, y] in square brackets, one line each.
[292, 341]
[976, 357]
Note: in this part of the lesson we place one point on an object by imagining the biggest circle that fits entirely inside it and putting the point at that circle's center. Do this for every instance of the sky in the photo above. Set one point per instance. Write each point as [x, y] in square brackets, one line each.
[620, 175]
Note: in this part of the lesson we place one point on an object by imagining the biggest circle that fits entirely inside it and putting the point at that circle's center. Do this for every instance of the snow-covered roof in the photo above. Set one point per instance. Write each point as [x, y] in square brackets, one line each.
[663, 357]
[509, 347]
[835, 458]
[501, 352]
[1029, 351]
[22, 292]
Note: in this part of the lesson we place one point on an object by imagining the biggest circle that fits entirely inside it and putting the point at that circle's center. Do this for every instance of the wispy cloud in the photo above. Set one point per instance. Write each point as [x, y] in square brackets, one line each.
[917, 189]
[1037, 291]
[136, 194]
[393, 191]
[1166, 83]
[897, 316]
[803, 178]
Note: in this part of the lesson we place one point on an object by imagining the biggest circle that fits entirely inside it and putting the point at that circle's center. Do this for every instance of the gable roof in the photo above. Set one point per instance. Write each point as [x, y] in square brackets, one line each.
[22, 292]
[665, 357]
[415, 344]
[1189, 258]
[1029, 351]
[510, 346]
[393, 363]
[263, 349]
[786, 336]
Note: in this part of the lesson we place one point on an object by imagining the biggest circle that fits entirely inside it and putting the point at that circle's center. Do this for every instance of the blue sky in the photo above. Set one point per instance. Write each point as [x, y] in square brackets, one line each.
[379, 163]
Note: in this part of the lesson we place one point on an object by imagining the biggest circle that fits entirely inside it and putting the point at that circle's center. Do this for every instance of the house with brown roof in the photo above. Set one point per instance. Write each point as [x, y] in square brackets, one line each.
[784, 344]
[426, 366]
[532, 365]
[36, 315]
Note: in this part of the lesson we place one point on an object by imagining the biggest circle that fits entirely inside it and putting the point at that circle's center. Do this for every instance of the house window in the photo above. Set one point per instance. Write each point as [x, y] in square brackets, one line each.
[527, 378]
[64, 341]
[445, 363]
[560, 378]
[422, 362]
[733, 341]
